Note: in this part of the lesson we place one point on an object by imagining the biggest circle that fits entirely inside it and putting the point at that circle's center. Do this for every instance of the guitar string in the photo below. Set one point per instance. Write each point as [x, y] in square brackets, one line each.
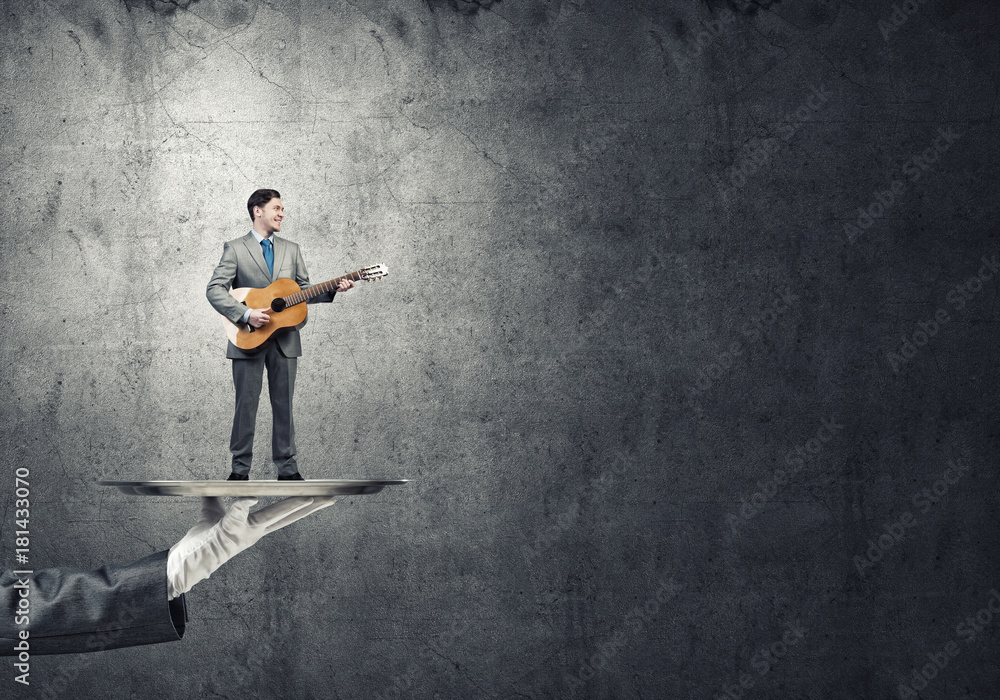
[304, 294]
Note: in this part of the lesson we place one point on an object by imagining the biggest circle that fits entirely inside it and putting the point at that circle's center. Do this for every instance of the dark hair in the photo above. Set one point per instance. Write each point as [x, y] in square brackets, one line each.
[259, 199]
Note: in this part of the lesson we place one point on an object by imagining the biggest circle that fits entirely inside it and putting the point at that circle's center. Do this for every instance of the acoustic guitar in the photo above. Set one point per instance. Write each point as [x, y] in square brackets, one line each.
[287, 306]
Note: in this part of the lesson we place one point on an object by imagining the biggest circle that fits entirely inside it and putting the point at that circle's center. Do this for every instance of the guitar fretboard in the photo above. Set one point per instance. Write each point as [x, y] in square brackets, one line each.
[322, 288]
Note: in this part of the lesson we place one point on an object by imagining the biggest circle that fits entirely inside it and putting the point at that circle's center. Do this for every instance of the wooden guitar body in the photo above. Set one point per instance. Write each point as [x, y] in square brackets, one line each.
[249, 339]
[286, 304]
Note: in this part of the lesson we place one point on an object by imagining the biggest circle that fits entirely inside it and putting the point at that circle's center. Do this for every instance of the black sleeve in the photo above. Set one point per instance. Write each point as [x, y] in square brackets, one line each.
[69, 611]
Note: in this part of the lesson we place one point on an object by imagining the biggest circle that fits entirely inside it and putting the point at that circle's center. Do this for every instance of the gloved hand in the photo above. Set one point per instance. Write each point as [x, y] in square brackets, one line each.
[220, 535]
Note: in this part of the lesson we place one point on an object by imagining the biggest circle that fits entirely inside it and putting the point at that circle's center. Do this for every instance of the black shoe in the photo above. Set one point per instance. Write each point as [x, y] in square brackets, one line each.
[238, 477]
[290, 477]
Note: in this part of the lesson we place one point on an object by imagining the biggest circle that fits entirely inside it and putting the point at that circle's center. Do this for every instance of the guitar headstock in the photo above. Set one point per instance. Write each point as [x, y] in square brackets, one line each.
[374, 272]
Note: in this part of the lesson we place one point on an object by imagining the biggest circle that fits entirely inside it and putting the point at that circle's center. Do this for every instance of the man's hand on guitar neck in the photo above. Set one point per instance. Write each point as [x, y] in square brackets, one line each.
[258, 317]
[344, 285]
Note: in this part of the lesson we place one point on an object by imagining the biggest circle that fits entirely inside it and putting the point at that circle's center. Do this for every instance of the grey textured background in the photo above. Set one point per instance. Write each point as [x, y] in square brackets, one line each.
[578, 358]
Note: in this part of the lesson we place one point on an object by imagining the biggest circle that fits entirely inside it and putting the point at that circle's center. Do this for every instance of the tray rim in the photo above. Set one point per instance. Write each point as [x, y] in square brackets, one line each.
[318, 482]
[251, 488]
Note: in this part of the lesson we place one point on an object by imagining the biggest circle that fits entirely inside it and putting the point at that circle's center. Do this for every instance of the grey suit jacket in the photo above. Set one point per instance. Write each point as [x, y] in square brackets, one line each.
[73, 611]
[243, 265]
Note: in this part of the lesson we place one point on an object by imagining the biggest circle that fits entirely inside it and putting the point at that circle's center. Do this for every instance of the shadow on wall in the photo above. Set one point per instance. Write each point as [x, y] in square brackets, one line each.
[159, 7]
[465, 7]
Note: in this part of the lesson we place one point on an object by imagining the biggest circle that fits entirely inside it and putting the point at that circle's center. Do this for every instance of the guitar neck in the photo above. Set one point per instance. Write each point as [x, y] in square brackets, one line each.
[322, 288]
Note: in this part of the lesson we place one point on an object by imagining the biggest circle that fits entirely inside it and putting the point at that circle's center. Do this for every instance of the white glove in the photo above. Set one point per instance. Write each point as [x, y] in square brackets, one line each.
[220, 535]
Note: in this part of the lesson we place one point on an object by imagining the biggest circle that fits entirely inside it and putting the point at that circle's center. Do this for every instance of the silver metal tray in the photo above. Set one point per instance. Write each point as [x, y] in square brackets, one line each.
[308, 487]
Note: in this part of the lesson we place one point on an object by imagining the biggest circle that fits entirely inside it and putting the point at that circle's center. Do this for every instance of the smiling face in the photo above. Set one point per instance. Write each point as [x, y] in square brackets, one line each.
[267, 219]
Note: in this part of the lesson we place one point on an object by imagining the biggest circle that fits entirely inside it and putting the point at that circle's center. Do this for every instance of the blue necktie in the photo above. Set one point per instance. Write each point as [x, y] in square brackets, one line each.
[268, 255]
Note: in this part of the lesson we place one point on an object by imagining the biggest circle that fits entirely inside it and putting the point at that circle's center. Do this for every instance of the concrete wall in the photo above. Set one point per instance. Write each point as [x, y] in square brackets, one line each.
[668, 400]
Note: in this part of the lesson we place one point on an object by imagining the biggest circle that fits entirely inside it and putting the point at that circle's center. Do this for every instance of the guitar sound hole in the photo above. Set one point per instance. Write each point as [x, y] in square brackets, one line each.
[278, 305]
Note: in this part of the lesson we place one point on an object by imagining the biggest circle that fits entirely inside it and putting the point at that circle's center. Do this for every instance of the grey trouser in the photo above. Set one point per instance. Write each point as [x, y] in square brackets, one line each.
[248, 378]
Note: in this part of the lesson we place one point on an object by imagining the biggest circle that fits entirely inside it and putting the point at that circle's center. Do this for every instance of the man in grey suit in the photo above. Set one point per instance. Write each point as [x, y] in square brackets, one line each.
[256, 260]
